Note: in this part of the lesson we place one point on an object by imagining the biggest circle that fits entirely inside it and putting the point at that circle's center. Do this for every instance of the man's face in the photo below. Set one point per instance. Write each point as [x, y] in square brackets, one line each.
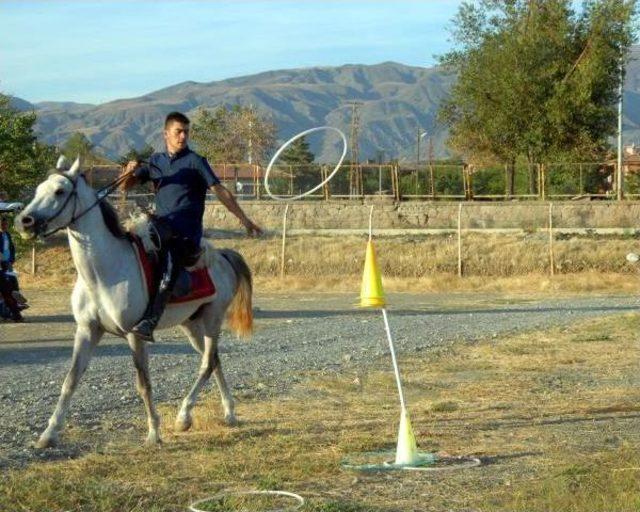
[4, 225]
[176, 136]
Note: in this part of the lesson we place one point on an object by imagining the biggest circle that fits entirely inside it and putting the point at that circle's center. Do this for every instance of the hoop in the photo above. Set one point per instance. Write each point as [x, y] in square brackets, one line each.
[293, 496]
[286, 145]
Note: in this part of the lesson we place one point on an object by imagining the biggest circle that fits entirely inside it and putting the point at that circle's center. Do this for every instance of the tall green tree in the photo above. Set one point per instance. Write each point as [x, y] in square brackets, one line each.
[536, 79]
[300, 159]
[237, 134]
[79, 145]
[137, 154]
[23, 160]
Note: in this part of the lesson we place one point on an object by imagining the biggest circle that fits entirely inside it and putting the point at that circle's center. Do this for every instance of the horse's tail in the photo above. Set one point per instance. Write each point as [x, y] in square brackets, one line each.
[240, 311]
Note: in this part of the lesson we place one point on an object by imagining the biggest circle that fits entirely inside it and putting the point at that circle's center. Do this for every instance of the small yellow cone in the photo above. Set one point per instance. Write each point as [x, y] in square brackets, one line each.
[371, 292]
[407, 450]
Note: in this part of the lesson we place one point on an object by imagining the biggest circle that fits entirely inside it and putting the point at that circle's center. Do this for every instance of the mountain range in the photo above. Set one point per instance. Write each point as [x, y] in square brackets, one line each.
[397, 103]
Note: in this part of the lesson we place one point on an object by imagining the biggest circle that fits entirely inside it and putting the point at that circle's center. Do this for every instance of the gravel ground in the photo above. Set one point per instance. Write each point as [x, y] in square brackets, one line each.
[294, 333]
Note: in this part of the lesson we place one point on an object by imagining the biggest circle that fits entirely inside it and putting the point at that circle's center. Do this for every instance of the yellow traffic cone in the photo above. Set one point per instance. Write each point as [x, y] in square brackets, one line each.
[407, 450]
[371, 292]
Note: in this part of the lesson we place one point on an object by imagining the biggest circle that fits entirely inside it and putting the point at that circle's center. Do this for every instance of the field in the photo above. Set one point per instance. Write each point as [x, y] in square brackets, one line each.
[535, 375]
[554, 415]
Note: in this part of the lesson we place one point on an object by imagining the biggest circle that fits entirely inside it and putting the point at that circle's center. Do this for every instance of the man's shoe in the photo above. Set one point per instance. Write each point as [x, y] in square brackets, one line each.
[144, 330]
[20, 299]
[18, 318]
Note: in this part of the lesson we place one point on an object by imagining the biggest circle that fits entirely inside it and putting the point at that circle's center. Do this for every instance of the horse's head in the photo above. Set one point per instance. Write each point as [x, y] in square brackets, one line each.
[54, 202]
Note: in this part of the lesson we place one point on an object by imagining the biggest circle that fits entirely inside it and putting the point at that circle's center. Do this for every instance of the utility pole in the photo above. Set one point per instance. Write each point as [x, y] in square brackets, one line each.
[419, 137]
[355, 173]
[619, 166]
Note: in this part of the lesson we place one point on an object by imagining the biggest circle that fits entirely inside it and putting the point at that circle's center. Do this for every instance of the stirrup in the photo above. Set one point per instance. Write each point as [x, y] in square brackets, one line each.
[144, 331]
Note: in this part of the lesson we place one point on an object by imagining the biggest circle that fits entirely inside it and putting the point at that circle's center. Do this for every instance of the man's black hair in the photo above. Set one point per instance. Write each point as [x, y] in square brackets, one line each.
[176, 117]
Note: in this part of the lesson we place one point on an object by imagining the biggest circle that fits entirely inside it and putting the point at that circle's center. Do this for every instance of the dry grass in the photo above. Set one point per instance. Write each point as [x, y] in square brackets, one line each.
[553, 414]
[500, 263]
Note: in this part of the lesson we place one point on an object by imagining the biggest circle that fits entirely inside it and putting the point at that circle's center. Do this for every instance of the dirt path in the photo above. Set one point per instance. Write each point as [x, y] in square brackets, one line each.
[295, 333]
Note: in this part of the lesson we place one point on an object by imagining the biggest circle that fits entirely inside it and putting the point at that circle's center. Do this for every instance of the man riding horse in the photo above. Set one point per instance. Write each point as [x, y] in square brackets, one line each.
[180, 178]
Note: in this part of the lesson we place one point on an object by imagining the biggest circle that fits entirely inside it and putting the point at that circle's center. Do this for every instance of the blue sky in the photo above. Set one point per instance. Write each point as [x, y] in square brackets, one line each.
[65, 50]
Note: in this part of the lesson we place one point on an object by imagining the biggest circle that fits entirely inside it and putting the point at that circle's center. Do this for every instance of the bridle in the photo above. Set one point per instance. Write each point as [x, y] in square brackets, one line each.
[101, 195]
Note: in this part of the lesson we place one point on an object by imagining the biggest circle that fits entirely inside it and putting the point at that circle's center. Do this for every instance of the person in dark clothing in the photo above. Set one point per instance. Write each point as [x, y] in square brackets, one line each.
[6, 291]
[180, 179]
[7, 249]
[7, 259]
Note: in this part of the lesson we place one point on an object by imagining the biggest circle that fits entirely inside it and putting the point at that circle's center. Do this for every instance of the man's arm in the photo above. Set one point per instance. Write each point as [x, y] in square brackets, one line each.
[227, 199]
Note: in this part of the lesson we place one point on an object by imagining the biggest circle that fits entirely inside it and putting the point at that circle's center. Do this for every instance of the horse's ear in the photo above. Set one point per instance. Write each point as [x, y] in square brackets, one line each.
[75, 168]
[62, 163]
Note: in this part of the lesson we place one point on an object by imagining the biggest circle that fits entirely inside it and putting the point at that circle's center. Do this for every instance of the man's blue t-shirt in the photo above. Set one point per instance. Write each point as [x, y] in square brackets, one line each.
[181, 182]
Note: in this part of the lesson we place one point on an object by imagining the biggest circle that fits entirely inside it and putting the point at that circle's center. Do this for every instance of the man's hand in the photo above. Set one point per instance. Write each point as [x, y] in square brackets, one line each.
[127, 171]
[131, 166]
[253, 230]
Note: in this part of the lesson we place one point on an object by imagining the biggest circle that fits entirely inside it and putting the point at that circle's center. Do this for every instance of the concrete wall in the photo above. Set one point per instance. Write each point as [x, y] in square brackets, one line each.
[430, 215]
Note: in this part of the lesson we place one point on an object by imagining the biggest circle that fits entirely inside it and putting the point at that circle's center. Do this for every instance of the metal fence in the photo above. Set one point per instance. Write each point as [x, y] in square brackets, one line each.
[446, 181]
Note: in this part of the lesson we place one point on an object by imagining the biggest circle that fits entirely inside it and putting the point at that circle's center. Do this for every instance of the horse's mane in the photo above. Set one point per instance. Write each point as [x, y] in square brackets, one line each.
[111, 219]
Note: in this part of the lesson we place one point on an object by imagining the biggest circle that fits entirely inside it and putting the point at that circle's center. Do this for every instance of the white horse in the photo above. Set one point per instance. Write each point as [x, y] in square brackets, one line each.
[110, 296]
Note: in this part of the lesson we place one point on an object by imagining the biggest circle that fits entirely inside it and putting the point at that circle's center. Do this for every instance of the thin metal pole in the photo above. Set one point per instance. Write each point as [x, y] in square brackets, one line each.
[551, 255]
[284, 240]
[460, 240]
[393, 358]
[619, 169]
[371, 224]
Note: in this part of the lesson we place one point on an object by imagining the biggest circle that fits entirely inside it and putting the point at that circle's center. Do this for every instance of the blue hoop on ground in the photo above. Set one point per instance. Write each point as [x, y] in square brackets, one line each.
[428, 462]
[286, 145]
[299, 499]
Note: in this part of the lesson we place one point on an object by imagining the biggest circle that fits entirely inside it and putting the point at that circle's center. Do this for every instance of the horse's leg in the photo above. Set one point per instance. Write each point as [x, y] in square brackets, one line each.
[86, 339]
[143, 385]
[212, 323]
[194, 329]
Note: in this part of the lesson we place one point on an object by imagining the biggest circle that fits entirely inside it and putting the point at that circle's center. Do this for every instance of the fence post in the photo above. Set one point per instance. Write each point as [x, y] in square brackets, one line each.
[460, 240]
[290, 180]
[33, 259]
[393, 180]
[284, 241]
[396, 173]
[543, 180]
[581, 184]
[257, 175]
[433, 181]
[551, 256]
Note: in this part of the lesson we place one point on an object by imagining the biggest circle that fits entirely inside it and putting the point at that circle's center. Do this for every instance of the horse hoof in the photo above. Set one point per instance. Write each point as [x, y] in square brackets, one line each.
[45, 442]
[153, 440]
[231, 420]
[183, 424]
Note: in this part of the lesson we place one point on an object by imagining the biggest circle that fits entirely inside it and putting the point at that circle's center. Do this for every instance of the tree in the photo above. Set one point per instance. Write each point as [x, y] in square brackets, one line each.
[236, 134]
[300, 159]
[535, 79]
[23, 160]
[78, 145]
[137, 155]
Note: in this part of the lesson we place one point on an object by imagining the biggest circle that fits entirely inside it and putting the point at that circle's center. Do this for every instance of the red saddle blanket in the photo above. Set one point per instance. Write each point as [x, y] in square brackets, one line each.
[201, 283]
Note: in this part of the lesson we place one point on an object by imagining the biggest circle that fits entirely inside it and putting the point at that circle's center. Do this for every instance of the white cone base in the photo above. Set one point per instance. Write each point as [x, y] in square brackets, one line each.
[383, 461]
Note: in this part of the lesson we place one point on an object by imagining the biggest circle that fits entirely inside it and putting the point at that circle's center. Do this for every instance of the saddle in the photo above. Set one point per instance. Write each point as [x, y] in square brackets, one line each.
[194, 282]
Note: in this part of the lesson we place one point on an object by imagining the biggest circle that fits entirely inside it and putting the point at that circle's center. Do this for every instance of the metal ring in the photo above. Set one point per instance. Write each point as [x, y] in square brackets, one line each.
[286, 144]
[298, 498]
